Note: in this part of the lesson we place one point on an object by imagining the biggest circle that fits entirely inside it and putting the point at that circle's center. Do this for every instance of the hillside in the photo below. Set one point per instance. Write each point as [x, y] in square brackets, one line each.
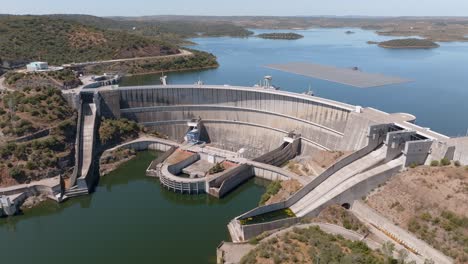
[42, 111]
[163, 30]
[312, 245]
[431, 203]
[410, 43]
[58, 41]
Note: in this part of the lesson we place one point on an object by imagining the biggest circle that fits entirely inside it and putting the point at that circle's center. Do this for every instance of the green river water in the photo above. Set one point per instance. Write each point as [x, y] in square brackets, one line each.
[130, 218]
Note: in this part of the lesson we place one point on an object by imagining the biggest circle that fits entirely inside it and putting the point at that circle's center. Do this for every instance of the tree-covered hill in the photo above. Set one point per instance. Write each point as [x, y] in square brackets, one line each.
[58, 41]
[162, 29]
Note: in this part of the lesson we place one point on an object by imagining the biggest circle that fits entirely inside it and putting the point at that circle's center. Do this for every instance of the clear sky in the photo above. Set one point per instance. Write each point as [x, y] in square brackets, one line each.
[239, 7]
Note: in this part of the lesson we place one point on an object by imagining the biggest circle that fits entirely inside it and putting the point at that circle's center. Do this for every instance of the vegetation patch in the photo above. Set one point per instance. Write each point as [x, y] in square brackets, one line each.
[114, 131]
[156, 65]
[429, 201]
[272, 189]
[59, 79]
[30, 110]
[217, 168]
[286, 36]
[447, 224]
[337, 215]
[59, 41]
[40, 158]
[268, 217]
[312, 245]
[409, 43]
[112, 160]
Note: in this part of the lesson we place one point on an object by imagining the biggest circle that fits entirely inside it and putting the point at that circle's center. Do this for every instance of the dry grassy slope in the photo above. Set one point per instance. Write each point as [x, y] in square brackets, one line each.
[431, 202]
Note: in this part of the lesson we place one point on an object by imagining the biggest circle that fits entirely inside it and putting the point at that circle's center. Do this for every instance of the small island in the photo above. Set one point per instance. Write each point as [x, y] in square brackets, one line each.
[287, 36]
[410, 43]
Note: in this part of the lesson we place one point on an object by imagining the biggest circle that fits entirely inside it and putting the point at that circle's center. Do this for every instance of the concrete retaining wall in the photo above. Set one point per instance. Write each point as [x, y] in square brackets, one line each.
[250, 231]
[231, 180]
[152, 169]
[176, 168]
[36, 135]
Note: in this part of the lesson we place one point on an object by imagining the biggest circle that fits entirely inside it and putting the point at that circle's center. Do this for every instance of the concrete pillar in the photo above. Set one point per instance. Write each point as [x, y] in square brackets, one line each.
[377, 134]
[396, 142]
[417, 152]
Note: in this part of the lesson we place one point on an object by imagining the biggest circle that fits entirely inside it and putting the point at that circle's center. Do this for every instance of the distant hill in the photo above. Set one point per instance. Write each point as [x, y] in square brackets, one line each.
[410, 43]
[58, 41]
[162, 29]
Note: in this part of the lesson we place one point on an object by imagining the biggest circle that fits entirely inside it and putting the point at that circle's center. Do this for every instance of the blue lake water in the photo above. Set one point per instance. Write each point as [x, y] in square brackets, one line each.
[438, 95]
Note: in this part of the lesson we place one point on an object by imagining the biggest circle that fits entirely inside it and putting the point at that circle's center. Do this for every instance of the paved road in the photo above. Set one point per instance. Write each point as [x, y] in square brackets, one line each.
[183, 53]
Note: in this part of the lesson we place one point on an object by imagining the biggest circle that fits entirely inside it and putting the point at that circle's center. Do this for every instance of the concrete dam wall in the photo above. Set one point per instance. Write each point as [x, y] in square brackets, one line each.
[256, 119]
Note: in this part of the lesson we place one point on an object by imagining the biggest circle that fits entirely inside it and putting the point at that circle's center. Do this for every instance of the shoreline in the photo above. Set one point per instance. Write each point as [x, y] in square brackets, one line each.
[178, 70]
[408, 47]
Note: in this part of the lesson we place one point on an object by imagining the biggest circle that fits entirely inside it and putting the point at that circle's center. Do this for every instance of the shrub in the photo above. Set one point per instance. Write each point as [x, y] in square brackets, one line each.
[434, 163]
[272, 189]
[445, 162]
[253, 241]
[457, 163]
[31, 165]
[218, 167]
[16, 173]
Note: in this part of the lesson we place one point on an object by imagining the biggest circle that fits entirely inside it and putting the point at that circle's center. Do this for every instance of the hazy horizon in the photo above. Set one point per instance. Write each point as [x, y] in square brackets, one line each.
[304, 8]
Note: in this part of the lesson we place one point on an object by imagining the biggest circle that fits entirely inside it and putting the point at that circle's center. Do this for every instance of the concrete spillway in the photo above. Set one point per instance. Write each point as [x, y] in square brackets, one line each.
[307, 204]
[83, 178]
[89, 120]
